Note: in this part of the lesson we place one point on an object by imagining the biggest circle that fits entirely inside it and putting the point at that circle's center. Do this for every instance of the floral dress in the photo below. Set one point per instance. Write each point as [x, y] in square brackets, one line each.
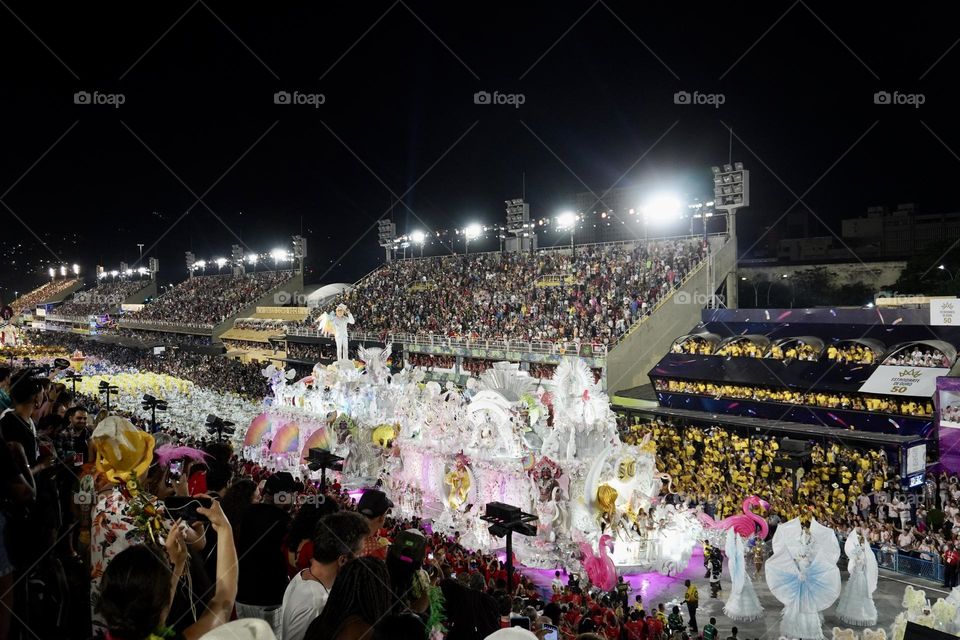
[115, 527]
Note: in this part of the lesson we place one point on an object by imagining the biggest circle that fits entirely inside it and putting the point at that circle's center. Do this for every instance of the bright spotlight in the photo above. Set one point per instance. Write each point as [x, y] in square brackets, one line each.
[418, 236]
[63, 270]
[472, 231]
[662, 208]
[114, 273]
[52, 272]
[200, 264]
[252, 258]
[566, 220]
[220, 262]
[76, 269]
[278, 254]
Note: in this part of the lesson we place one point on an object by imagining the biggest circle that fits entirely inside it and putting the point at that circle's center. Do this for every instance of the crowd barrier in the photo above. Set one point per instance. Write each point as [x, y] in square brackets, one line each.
[894, 560]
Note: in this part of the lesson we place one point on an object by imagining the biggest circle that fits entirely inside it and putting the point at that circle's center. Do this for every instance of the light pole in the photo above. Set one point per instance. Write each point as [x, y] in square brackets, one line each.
[419, 237]
[472, 231]
[947, 271]
[568, 220]
[731, 191]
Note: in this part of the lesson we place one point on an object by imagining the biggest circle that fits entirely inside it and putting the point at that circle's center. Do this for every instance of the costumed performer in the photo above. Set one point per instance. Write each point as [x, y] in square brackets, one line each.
[856, 606]
[802, 573]
[743, 604]
[340, 320]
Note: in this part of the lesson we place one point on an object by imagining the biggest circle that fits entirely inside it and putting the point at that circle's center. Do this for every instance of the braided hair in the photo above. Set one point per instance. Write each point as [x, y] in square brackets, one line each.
[362, 590]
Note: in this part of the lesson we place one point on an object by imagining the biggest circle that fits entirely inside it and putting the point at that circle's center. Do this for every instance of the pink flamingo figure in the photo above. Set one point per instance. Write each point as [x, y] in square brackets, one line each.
[600, 568]
[744, 524]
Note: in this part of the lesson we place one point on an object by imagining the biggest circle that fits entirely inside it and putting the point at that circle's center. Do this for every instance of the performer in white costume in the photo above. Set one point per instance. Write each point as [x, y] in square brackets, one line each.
[856, 605]
[743, 604]
[802, 573]
[337, 325]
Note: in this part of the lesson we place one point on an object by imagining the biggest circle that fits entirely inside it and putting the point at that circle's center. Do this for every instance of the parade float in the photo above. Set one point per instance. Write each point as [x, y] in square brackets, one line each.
[443, 453]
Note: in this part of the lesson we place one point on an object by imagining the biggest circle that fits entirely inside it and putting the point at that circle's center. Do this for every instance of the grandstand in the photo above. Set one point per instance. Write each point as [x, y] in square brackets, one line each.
[207, 305]
[606, 303]
[47, 293]
[105, 298]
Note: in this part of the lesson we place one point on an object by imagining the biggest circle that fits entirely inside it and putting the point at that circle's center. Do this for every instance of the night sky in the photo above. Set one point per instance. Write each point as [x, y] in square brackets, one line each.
[399, 120]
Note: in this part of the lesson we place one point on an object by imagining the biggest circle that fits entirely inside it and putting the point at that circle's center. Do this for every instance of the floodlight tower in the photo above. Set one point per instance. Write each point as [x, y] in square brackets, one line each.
[191, 261]
[236, 260]
[299, 250]
[518, 224]
[387, 235]
[731, 191]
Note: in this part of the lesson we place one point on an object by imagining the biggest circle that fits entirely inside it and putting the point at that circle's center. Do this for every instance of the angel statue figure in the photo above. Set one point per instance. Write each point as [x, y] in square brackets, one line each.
[458, 479]
[336, 325]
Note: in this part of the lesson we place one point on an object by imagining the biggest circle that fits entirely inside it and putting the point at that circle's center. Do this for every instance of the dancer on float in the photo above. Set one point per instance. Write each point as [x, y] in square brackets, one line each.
[337, 325]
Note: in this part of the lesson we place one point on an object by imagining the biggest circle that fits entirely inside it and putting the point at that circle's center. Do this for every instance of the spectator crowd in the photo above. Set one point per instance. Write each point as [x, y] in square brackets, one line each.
[824, 399]
[100, 299]
[593, 296]
[205, 301]
[41, 294]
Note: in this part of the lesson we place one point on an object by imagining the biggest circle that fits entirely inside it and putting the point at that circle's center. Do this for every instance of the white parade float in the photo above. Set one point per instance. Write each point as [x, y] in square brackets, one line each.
[444, 453]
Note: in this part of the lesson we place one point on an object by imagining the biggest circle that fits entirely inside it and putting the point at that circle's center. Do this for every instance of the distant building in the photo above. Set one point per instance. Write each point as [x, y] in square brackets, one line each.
[880, 234]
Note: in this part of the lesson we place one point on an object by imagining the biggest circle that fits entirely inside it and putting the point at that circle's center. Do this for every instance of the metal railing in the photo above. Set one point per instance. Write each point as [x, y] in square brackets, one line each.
[160, 325]
[74, 319]
[898, 562]
[437, 340]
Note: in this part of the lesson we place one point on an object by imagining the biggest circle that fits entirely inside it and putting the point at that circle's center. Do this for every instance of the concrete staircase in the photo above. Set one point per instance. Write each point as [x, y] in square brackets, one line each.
[642, 347]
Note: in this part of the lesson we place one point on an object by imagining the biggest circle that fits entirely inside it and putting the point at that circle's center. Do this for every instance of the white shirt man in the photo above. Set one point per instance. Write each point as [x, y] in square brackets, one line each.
[338, 539]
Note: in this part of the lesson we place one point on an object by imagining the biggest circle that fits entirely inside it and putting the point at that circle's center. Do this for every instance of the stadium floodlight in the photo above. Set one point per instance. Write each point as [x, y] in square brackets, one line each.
[63, 270]
[252, 258]
[715, 170]
[568, 220]
[738, 166]
[470, 232]
[129, 272]
[114, 273]
[200, 264]
[53, 273]
[278, 255]
[143, 271]
[76, 269]
[220, 262]
[418, 237]
[663, 207]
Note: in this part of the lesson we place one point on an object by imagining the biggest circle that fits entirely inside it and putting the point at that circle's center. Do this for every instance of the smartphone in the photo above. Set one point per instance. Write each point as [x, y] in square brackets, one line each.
[523, 622]
[185, 507]
[552, 633]
[176, 469]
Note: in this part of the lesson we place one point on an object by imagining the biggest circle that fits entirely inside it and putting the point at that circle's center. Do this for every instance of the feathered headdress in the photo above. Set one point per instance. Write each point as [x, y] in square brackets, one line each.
[168, 453]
